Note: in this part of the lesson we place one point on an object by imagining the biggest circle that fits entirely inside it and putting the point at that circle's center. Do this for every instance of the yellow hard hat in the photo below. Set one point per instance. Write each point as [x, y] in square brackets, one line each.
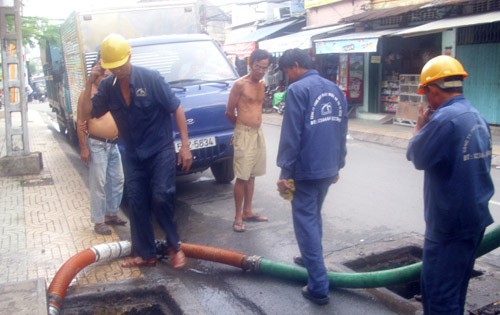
[438, 68]
[114, 51]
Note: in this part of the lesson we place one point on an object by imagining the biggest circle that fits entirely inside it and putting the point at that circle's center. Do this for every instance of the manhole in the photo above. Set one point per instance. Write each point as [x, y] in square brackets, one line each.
[121, 300]
[490, 309]
[395, 258]
[42, 180]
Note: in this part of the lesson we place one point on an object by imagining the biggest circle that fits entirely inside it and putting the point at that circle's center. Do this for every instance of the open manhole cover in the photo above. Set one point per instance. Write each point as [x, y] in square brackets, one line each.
[391, 259]
[491, 309]
[121, 300]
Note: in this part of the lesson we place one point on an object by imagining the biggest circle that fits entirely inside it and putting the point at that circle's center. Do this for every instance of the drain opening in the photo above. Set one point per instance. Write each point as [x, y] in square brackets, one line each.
[121, 301]
[393, 259]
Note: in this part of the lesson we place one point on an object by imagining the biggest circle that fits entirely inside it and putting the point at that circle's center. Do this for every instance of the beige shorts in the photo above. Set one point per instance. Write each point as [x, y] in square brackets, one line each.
[249, 152]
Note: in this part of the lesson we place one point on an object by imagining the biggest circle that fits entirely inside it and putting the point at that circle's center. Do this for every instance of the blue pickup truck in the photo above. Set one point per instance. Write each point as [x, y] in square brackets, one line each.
[201, 76]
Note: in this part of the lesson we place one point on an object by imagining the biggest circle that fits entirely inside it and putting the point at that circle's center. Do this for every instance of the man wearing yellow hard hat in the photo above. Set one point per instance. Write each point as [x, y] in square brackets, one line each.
[142, 104]
[452, 144]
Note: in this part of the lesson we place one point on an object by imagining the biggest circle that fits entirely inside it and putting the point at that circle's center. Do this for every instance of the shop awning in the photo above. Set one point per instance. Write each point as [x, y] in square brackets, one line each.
[300, 40]
[444, 24]
[351, 43]
[244, 45]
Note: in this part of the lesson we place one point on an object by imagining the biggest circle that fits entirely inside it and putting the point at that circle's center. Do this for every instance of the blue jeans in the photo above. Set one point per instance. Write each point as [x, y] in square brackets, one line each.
[308, 225]
[151, 189]
[105, 179]
[446, 269]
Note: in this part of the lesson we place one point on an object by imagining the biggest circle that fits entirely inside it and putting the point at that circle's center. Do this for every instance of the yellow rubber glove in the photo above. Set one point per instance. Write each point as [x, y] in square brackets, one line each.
[288, 195]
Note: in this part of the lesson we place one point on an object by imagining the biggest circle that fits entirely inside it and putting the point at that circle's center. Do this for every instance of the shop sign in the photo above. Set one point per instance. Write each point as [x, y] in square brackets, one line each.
[375, 59]
[242, 50]
[347, 46]
[317, 3]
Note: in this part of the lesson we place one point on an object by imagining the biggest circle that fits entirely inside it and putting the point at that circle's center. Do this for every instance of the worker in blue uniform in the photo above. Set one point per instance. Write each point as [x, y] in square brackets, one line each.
[311, 152]
[452, 144]
[142, 105]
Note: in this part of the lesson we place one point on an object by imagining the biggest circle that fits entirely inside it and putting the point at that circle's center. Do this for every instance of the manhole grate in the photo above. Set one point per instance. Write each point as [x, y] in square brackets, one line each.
[42, 180]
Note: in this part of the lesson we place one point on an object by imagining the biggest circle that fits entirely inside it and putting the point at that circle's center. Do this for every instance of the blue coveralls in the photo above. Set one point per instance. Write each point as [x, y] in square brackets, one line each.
[454, 149]
[312, 150]
[149, 161]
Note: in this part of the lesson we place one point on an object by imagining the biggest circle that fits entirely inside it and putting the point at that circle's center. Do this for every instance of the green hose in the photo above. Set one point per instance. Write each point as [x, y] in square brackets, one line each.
[374, 279]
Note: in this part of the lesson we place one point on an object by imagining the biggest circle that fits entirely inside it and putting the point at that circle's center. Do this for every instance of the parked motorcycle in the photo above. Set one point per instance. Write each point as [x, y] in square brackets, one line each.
[279, 101]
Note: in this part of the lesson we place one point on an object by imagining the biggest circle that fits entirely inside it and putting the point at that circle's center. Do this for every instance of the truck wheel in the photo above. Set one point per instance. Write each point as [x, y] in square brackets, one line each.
[72, 135]
[223, 171]
[62, 128]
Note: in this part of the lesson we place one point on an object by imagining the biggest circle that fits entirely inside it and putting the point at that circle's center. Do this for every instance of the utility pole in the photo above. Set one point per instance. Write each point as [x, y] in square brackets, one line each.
[19, 160]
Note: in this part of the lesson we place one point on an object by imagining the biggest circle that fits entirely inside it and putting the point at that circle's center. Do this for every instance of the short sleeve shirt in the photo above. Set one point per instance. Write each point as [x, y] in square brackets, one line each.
[145, 125]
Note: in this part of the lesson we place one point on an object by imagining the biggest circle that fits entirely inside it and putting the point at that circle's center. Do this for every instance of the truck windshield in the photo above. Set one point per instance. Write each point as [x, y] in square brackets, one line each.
[185, 61]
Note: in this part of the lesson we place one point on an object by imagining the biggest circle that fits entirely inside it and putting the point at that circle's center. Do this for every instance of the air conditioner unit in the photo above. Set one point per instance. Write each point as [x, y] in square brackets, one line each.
[282, 12]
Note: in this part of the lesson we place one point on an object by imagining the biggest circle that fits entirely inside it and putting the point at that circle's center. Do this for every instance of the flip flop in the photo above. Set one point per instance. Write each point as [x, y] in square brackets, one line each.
[256, 218]
[238, 227]
[135, 262]
[115, 220]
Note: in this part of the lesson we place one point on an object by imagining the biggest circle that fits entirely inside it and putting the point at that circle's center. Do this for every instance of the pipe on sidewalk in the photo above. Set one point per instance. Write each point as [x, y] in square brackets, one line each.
[59, 285]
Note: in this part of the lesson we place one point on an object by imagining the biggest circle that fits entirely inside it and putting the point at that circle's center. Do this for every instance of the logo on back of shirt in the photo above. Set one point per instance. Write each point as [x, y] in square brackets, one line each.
[326, 107]
[141, 92]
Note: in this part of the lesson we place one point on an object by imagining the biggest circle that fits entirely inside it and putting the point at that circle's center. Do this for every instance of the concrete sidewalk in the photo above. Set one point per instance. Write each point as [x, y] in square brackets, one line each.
[44, 221]
[44, 218]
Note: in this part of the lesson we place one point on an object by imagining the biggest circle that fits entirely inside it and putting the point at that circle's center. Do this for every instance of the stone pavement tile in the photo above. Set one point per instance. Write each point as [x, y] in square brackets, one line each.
[45, 218]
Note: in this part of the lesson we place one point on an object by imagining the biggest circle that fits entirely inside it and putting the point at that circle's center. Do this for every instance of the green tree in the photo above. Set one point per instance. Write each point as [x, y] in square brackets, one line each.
[36, 30]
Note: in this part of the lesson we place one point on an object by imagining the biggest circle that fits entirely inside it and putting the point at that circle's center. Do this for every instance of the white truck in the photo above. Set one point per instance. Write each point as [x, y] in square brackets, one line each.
[203, 94]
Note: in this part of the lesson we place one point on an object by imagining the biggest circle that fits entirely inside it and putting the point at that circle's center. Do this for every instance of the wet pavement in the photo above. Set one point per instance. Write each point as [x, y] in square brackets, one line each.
[38, 234]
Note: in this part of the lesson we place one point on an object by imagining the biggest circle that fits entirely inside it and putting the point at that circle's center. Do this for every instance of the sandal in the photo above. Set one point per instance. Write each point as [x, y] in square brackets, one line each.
[114, 220]
[138, 262]
[101, 228]
[238, 227]
[256, 218]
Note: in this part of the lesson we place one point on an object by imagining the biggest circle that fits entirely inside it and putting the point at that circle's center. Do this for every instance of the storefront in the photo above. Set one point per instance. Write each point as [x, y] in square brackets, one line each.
[475, 41]
[345, 60]
[240, 45]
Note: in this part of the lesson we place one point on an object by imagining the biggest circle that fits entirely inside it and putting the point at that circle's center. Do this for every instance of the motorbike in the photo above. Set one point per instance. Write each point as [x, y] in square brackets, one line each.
[279, 101]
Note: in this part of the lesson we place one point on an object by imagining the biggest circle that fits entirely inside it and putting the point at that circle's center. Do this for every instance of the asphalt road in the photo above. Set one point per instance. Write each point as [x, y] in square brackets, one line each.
[377, 203]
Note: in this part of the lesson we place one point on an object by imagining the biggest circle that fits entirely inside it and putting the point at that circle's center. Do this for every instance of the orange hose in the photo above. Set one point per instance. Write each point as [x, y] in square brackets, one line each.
[220, 255]
[59, 285]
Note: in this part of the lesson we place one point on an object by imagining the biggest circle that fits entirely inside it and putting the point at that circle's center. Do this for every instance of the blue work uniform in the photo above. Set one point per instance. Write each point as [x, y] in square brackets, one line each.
[145, 125]
[454, 150]
[312, 151]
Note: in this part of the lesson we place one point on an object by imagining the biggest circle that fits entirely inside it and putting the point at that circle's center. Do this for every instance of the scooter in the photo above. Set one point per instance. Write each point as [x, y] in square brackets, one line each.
[279, 102]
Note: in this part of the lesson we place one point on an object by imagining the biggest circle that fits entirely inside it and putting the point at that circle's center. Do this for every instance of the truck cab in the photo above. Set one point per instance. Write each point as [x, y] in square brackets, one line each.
[201, 76]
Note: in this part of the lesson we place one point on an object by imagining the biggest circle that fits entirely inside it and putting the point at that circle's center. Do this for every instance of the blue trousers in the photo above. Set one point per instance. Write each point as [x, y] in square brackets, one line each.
[307, 223]
[105, 179]
[150, 185]
[446, 269]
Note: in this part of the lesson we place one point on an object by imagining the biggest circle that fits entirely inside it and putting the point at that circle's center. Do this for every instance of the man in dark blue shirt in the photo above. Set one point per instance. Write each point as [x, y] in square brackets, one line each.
[452, 144]
[142, 105]
[311, 152]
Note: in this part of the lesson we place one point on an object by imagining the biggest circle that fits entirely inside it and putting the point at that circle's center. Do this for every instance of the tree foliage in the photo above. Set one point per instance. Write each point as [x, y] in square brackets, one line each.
[36, 30]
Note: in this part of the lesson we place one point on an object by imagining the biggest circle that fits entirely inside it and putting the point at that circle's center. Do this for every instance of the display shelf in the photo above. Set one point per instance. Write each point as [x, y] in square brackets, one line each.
[409, 100]
[389, 95]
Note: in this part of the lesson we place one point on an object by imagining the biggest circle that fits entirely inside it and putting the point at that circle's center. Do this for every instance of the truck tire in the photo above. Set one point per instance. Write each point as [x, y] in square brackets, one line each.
[223, 171]
[62, 128]
[72, 135]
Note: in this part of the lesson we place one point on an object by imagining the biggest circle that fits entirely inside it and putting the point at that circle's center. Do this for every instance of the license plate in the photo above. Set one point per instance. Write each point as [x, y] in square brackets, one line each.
[197, 143]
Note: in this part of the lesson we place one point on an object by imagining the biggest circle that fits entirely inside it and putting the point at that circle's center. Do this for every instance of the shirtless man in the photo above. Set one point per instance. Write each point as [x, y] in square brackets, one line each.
[244, 110]
[98, 138]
